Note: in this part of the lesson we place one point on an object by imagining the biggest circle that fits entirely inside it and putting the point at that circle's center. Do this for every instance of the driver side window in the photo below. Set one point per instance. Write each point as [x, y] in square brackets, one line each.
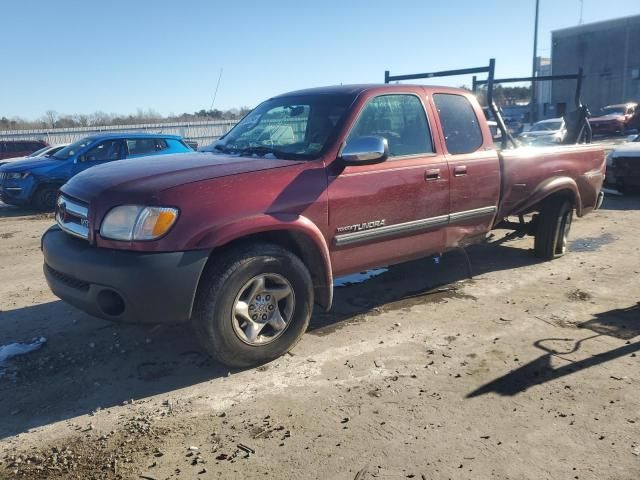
[105, 151]
[400, 119]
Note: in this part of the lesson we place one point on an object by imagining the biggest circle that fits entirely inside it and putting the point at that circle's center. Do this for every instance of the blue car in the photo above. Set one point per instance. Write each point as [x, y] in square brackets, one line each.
[35, 182]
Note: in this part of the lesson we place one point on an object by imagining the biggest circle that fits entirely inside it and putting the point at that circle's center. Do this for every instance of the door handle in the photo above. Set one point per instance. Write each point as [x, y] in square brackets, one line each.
[459, 171]
[432, 174]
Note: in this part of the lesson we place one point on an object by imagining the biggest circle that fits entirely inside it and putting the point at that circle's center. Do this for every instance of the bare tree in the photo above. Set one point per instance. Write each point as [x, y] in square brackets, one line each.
[51, 116]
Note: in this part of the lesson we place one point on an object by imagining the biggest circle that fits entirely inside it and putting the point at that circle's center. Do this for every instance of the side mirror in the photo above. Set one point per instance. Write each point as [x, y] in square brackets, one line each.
[365, 150]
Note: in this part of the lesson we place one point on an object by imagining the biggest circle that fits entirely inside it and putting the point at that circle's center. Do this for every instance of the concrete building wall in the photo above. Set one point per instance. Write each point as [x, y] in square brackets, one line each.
[543, 89]
[609, 53]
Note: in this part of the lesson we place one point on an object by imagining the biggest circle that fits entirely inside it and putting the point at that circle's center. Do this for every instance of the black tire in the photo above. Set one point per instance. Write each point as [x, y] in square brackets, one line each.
[220, 287]
[45, 198]
[552, 229]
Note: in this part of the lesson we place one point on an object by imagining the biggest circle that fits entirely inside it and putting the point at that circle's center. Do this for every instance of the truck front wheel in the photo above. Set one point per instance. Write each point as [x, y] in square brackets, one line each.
[253, 305]
[552, 229]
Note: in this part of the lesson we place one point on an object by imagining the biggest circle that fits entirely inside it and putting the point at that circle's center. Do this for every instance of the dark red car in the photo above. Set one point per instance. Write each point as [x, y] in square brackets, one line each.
[19, 148]
[616, 119]
[309, 186]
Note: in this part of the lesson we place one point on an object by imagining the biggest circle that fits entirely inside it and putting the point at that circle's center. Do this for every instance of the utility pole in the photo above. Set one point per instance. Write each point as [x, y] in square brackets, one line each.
[581, 12]
[532, 114]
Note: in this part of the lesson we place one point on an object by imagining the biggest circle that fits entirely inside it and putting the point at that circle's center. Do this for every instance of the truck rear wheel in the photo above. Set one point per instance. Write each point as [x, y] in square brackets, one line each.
[552, 229]
[253, 306]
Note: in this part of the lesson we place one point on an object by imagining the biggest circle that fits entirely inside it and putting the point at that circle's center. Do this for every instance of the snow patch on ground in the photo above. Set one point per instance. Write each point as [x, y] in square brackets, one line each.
[14, 349]
[358, 277]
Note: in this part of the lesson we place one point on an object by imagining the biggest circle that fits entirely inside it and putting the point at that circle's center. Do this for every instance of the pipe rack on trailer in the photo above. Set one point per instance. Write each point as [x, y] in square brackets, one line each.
[580, 125]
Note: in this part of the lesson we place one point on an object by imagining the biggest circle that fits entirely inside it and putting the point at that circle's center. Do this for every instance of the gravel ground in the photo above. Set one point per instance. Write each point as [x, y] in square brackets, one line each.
[528, 370]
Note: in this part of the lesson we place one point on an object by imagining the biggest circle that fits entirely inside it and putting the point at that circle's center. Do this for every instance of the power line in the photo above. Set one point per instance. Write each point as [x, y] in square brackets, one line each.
[215, 94]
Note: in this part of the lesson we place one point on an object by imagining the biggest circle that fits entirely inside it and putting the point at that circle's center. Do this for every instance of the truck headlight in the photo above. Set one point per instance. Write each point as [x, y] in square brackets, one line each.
[17, 175]
[137, 222]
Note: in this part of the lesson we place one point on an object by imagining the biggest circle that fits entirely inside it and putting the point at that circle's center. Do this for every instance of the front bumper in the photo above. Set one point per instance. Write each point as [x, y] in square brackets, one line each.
[118, 285]
[16, 192]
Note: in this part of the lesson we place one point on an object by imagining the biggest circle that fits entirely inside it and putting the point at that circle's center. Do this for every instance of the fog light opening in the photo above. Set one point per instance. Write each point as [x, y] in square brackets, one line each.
[111, 303]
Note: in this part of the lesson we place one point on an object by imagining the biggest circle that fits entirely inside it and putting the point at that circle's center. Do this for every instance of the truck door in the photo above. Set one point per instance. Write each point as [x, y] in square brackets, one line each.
[396, 210]
[474, 168]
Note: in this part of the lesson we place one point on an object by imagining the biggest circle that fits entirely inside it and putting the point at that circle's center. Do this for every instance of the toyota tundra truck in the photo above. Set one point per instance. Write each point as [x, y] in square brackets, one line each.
[309, 186]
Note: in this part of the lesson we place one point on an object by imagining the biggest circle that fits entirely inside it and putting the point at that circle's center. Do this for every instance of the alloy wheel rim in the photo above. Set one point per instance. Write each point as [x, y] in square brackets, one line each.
[263, 309]
[565, 232]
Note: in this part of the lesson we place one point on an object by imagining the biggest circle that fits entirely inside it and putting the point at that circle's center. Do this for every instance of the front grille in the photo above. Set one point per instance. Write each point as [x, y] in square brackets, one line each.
[66, 279]
[73, 217]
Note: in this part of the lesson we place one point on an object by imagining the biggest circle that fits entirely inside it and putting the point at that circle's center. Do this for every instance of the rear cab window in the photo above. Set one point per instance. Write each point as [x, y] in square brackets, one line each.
[459, 122]
[401, 119]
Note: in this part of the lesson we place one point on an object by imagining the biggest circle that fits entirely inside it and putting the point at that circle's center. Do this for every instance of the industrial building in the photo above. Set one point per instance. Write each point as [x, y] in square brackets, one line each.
[608, 52]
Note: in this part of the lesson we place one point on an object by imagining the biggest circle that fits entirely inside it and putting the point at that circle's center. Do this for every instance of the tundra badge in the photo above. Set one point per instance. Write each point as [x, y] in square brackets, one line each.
[358, 227]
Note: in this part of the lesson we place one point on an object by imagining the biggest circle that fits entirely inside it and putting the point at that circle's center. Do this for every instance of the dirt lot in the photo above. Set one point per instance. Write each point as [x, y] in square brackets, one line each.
[527, 371]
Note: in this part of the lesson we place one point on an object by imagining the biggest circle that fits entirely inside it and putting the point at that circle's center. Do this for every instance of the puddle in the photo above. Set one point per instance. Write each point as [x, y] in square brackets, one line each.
[591, 244]
[437, 295]
[358, 277]
[363, 307]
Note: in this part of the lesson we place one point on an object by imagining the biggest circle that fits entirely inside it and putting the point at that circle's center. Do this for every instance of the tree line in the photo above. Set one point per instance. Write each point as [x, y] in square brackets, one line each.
[52, 119]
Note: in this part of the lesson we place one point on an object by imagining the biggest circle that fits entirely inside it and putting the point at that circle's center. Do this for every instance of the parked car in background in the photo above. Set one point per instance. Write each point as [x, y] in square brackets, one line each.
[19, 148]
[35, 181]
[545, 132]
[191, 143]
[623, 166]
[616, 119]
[43, 152]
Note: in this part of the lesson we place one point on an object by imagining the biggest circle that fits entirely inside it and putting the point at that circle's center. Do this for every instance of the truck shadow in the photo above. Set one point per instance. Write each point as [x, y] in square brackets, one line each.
[88, 363]
[420, 281]
[620, 323]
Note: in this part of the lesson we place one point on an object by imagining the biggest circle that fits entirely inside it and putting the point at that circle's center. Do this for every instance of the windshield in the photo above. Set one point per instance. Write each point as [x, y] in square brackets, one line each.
[73, 149]
[38, 152]
[546, 126]
[296, 127]
[612, 111]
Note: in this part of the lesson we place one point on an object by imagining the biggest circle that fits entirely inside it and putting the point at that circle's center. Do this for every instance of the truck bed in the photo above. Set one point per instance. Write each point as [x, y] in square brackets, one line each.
[530, 173]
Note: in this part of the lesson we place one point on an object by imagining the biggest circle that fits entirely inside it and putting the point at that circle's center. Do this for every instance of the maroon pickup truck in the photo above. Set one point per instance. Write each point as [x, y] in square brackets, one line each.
[309, 186]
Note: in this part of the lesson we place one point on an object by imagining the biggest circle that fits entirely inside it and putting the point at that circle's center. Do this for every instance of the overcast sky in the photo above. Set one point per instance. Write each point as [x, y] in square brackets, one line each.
[121, 55]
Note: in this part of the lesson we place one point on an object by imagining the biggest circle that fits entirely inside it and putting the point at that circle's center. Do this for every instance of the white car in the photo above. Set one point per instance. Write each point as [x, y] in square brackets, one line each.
[43, 152]
[545, 132]
[623, 166]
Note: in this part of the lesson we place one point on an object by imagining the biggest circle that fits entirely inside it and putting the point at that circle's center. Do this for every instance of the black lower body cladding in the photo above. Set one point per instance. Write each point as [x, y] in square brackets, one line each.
[123, 286]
